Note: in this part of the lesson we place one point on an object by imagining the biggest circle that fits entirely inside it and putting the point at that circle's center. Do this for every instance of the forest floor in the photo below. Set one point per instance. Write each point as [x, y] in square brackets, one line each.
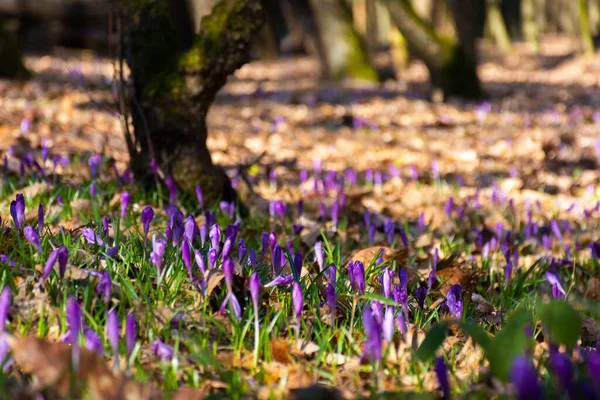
[499, 197]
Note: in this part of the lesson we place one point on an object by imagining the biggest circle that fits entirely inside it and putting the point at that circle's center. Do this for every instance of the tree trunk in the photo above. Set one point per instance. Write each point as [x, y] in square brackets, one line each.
[175, 84]
[452, 64]
[584, 29]
[344, 53]
[11, 65]
[496, 27]
[529, 23]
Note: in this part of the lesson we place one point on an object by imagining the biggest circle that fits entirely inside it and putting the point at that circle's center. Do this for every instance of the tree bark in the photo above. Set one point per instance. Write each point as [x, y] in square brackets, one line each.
[344, 54]
[452, 64]
[11, 65]
[496, 27]
[584, 28]
[529, 23]
[175, 84]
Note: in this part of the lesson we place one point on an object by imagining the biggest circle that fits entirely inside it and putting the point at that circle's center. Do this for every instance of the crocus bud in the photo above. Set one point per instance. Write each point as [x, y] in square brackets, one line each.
[254, 287]
[74, 325]
[227, 247]
[200, 196]
[161, 350]
[388, 324]
[186, 255]
[172, 189]
[441, 372]
[158, 250]
[4, 307]
[93, 342]
[212, 258]
[276, 259]
[17, 210]
[297, 300]
[33, 238]
[40, 219]
[104, 287]
[130, 332]
[124, 203]
[453, 301]
[373, 346]
[319, 254]
[215, 237]
[190, 229]
[200, 261]
[112, 331]
[523, 375]
[147, 217]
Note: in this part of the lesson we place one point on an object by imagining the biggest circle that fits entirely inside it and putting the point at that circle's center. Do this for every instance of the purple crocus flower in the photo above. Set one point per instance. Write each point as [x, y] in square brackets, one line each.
[203, 229]
[386, 281]
[4, 308]
[200, 261]
[230, 297]
[93, 342]
[161, 350]
[507, 271]
[254, 288]
[215, 237]
[335, 212]
[281, 280]
[554, 281]
[130, 333]
[593, 367]
[441, 372]
[449, 207]
[124, 203]
[331, 273]
[50, 262]
[319, 254]
[190, 230]
[104, 227]
[112, 332]
[297, 301]
[186, 255]
[373, 345]
[17, 210]
[33, 238]
[359, 277]
[94, 161]
[40, 219]
[227, 246]
[523, 375]
[172, 189]
[212, 258]
[371, 234]
[421, 295]
[147, 217]
[561, 366]
[242, 249]
[388, 324]
[104, 287]
[453, 301]
[90, 236]
[556, 229]
[74, 324]
[200, 196]
[158, 251]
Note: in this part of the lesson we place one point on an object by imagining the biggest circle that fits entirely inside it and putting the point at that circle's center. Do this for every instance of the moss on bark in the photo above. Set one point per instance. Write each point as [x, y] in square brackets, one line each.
[175, 86]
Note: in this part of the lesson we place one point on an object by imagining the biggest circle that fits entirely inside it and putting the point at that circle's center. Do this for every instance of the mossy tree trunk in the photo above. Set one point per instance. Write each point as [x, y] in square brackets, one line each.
[11, 64]
[496, 27]
[175, 83]
[529, 23]
[584, 28]
[338, 45]
[452, 63]
[345, 54]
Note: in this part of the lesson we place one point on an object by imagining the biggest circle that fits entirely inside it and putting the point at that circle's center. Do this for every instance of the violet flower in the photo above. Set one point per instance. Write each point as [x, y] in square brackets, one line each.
[90, 236]
[94, 161]
[386, 281]
[186, 255]
[172, 189]
[421, 295]
[319, 254]
[593, 367]
[93, 342]
[212, 258]
[298, 264]
[227, 247]
[242, 249]
[17, 211]
[124, 203]
[200, 261]
[200, 196]
[388, 324]
[230, 297]
[297, 301]
[562, 368]
[158, 251]
[147, 217]
[441, 372]
[281, 280]
[359, 277]
[112, 332]
[4, 307]
[203, 229]
[554, 281]
[215, 237]
[40, 219]
[453, 301]
[331, 273]
[161, 350]
[190, 230]
[104, 287]
[373, 345]
[524, 377]
[74, 324]
[130, 332]
[33, 238]
[371, 234]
